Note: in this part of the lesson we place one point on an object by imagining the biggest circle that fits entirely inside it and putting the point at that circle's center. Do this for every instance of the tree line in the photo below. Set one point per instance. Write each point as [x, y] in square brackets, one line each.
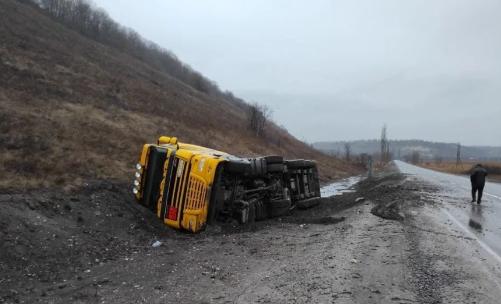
[94, 23]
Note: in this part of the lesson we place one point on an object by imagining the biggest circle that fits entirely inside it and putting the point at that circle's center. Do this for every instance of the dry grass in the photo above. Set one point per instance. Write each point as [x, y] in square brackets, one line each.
[72, 109]
[493, 168]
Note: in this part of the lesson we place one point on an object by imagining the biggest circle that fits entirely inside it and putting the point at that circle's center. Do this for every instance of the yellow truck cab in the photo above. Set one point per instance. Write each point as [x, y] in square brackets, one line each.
[189, 186]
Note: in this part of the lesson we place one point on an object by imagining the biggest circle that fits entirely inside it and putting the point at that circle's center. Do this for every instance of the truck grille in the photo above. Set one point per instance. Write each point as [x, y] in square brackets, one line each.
[196, 197]
[178, 185]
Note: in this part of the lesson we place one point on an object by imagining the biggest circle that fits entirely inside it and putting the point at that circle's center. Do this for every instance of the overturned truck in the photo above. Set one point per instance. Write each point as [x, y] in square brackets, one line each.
[190, 186]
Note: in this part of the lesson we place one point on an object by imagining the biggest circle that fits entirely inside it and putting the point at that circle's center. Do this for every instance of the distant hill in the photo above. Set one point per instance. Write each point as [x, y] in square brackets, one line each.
[402, 148]
[78, 100]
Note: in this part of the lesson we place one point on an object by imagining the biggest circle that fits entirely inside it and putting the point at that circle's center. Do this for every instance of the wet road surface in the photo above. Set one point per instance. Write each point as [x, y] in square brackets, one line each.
[481, 222]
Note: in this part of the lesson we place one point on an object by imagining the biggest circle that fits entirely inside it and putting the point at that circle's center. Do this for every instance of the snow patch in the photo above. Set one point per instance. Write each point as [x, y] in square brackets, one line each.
[340, 187]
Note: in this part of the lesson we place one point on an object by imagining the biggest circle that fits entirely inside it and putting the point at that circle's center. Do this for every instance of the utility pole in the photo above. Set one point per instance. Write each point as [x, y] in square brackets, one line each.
[384, 145]
[369, 166]
[458, 155]
[347, 150]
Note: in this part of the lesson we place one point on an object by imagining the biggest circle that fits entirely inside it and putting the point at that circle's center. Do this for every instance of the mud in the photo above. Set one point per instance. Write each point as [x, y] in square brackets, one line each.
[95, 246]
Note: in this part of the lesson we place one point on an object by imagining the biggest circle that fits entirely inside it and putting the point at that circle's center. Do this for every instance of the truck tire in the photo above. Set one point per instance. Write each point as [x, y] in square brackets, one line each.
[257, 166]
[294, 164]
[279, 207]
[275, 168]
[274, 159]
[308, 163]
[299, 164]
[238, 167]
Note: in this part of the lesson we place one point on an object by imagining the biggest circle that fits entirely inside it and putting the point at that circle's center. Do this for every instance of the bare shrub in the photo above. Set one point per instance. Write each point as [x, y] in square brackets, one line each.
[415, 157]
[385, 146]
[258, 116]
[347, 151]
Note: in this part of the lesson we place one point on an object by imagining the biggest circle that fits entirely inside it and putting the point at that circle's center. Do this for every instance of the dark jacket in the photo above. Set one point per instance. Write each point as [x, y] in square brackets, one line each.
[477, 177]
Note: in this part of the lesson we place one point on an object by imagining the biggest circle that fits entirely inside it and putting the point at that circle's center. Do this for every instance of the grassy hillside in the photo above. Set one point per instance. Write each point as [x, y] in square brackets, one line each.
[73, 109]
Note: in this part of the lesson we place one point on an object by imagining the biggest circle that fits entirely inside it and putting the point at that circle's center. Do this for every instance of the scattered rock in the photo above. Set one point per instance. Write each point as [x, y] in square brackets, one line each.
[390, 210]
[31, 205]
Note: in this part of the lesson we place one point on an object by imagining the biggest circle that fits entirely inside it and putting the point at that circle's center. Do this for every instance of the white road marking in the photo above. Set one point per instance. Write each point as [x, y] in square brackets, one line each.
[473, 236]
[492, 195]
[480, 242]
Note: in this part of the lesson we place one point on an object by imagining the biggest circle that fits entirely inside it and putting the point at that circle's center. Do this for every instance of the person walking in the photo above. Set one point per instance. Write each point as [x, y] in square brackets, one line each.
[477, 178]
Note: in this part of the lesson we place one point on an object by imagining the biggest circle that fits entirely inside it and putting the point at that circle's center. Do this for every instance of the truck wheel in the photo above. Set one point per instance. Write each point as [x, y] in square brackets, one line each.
[274, 159]
[239, 167]
[294, 164]
[279, 207]
[275, 168]
[257, 166]
[299, 164]
[308, 163]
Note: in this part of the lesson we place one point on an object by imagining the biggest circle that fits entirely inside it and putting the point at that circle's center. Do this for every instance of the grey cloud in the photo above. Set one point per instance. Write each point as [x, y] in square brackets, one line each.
[340, 69]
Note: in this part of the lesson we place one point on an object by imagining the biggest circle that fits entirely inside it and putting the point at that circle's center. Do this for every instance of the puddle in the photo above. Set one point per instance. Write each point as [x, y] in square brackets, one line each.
[340, 187]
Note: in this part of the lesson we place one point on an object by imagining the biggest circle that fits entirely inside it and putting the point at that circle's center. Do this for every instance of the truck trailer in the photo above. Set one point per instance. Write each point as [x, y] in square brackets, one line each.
[189, 186]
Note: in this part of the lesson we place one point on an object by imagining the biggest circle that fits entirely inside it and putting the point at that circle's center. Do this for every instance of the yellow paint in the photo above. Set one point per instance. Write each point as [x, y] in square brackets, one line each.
[143, 160]
[193, 205]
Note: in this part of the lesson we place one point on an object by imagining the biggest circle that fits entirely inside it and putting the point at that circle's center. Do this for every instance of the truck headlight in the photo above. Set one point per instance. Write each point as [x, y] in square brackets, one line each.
[137, 175]
[135, 191]
[136, 183]
[138, 166]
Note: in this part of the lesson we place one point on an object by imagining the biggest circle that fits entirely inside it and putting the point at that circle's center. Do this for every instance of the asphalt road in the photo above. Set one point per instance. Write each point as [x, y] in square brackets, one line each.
[481, 222]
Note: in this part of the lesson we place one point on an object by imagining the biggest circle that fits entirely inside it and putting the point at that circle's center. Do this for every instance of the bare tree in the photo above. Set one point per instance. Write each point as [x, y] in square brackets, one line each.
[258, 116]
[415, 157]
[347, 151]
[363, 159]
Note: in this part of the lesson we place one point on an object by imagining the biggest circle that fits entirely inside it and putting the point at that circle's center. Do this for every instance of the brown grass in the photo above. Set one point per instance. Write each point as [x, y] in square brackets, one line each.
[72, 109]
[493, 168]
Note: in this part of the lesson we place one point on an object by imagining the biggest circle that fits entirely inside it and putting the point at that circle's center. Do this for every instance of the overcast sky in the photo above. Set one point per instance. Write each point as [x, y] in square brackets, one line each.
[339, 70]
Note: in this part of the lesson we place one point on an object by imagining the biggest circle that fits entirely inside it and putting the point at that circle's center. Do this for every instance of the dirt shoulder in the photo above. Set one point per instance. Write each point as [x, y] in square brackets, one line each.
[96, 247]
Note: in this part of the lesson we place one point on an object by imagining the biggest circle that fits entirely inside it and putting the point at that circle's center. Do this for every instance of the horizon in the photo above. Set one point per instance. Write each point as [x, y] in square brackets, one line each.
[390, 140]
[326, 68]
